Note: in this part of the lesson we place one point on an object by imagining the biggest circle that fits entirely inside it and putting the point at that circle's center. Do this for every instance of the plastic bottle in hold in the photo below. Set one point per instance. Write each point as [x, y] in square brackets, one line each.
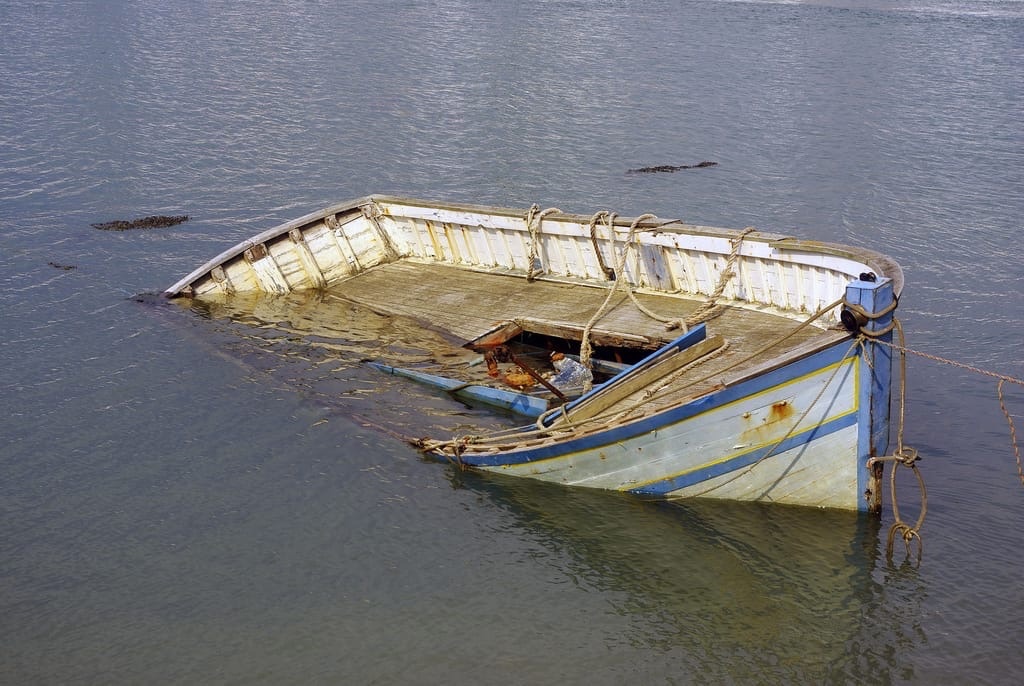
[569, 373]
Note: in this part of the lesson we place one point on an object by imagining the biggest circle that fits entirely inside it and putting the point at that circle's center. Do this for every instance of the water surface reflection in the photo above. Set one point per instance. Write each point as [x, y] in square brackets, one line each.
[799, 594]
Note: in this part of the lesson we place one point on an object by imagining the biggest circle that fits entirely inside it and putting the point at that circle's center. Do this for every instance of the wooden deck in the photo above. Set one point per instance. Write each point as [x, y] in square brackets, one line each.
[468, 304]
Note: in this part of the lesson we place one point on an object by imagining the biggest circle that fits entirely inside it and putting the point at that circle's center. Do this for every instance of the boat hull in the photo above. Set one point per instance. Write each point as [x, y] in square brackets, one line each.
[796, 423]
[788, 436]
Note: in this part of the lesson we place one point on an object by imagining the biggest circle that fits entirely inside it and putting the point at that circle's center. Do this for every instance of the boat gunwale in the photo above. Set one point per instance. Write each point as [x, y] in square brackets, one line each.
[879, 262]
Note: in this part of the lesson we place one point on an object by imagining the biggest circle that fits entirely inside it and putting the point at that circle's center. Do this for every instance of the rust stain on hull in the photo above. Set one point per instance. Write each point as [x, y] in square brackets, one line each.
[768, 423]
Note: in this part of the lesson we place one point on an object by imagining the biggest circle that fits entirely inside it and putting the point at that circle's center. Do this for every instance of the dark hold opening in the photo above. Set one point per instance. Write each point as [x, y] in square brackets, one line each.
[537, 348]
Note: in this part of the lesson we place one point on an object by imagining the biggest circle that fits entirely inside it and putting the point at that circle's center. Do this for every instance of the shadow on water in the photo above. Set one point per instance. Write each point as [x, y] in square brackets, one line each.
[798, 593]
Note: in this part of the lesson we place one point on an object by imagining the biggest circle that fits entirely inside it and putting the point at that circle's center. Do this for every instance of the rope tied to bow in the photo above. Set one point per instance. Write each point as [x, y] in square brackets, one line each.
[904, 455]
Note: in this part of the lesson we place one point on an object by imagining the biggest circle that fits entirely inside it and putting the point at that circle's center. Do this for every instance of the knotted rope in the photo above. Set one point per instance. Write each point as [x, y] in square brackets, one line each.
[903, 456]
[711, 308]
[534, 217]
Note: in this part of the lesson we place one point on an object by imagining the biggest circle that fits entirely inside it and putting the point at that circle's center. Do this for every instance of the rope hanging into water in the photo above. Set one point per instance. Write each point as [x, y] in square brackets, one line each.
[906, 456]
[1001, 378]
[903, 456]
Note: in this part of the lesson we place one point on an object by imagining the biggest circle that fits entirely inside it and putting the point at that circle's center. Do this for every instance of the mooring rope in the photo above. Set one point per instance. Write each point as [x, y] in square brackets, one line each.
[954, 363]
[903, 456]
[541, 434]
[534, 217]
[1013, 430]
[711, 308]
[1001, 378]
[906, 456]
[586, 348]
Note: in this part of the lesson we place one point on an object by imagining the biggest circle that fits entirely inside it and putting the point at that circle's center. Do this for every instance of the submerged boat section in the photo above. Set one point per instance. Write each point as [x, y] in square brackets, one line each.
[744, 363]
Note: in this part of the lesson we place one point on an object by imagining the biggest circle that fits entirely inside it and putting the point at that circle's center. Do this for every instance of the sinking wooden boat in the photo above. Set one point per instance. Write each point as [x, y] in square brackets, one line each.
[749, 363]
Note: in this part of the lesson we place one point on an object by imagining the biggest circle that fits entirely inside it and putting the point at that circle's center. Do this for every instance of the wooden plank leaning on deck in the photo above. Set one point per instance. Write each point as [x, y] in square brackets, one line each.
[607, 396]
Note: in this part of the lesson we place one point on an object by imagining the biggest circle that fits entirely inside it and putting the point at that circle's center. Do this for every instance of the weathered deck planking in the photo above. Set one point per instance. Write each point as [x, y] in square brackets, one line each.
[468, 303]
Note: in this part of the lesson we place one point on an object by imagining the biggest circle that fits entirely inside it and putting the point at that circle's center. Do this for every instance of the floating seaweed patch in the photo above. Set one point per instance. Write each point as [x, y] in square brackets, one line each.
[670, 168]
[155, 221]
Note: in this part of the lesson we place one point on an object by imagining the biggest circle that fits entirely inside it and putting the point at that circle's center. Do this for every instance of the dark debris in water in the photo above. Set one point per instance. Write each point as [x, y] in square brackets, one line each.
[149, 298]
[65, 267]
[670, 168]
[156, 221]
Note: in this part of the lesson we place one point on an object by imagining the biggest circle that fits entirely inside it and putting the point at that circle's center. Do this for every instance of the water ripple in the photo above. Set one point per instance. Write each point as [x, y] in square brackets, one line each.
[152, 458]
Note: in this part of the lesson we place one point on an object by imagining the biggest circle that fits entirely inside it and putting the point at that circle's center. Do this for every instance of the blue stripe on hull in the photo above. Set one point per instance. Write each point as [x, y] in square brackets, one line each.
[746, 459]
